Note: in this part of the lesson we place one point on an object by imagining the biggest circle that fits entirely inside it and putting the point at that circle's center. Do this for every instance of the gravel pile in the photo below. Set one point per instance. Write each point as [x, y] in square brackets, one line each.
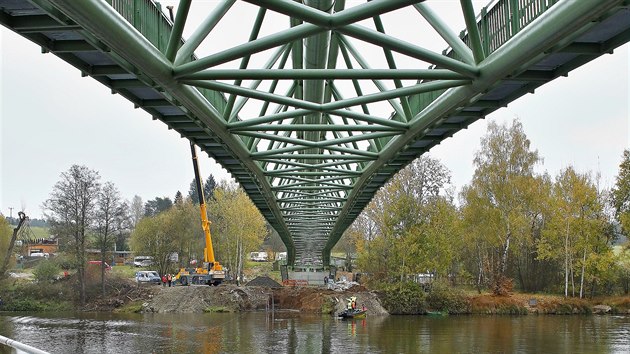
[264, 282]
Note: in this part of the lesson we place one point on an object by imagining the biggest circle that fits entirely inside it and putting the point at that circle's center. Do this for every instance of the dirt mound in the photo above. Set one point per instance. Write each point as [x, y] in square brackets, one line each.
[305, 299]
[264, 282]
[200, 298]
[357, 289]
[318, 300]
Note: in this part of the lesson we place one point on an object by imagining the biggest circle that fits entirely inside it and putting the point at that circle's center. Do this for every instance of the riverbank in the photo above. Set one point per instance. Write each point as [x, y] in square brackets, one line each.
[124, 295]
[318, 300]
[232, 298]
[523, 304]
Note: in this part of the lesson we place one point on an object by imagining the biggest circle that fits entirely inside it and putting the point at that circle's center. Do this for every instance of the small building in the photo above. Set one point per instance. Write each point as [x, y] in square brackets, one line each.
[116, 257]
[41, 246]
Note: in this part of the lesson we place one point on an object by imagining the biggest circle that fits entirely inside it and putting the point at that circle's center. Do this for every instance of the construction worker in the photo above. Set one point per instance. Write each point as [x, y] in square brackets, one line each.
[352, 303]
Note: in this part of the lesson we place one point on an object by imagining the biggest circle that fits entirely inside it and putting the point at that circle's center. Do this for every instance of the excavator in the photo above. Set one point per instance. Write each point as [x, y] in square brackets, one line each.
[211, 272]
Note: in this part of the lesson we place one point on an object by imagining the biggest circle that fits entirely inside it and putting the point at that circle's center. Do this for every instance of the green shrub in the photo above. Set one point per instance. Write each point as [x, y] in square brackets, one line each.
[445, 298]
[46, 271]
[59, 291]
[65, 261]
[30, 304]
[328, 306]
[24, 304]
[403, 298]
[564, 309]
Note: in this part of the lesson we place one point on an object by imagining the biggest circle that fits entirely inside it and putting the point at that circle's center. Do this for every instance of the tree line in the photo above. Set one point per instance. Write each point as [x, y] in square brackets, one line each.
[85, 213]
[237, 227]
[510, 227]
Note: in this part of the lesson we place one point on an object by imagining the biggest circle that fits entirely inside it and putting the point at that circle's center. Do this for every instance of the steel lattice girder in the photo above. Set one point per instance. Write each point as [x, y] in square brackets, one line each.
[316, 152]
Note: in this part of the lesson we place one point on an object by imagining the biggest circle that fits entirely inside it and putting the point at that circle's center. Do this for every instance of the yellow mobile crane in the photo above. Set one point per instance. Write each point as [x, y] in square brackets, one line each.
[211, 272]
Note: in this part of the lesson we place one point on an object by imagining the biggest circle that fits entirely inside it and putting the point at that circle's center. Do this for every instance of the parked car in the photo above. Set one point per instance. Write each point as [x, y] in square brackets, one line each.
[107, 266]
[148, 276]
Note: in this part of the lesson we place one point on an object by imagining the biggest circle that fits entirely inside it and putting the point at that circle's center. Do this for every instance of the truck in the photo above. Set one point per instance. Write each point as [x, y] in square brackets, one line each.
[210, 272]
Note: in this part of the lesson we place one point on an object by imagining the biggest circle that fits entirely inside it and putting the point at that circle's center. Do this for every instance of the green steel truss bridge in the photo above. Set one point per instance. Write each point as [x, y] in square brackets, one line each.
[320, 102]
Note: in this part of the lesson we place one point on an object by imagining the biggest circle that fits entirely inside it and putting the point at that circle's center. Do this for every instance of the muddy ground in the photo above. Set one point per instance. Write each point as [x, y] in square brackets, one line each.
[197, 299]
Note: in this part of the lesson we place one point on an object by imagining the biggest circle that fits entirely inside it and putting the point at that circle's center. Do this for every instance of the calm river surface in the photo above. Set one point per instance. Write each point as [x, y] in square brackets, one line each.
[294, 333]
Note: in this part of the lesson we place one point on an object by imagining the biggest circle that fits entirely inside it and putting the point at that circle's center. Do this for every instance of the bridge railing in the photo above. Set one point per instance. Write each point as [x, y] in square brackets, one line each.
[497, 23]
[149, 19]
[502, 19]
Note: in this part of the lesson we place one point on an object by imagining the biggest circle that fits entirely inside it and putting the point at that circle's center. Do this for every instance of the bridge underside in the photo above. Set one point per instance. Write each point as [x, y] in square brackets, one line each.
[315, 105]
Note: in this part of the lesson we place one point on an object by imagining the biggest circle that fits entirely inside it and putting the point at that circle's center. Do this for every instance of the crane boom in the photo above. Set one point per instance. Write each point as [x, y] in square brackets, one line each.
[208, 252]
[212, 272]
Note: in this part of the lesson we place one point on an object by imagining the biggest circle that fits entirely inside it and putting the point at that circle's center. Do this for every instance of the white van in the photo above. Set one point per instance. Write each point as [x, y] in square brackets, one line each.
[142, 261]
[258, 256]
[148, 276]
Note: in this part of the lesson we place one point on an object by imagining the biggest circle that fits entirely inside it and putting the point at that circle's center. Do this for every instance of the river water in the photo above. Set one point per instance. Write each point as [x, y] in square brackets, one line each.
[290, 332]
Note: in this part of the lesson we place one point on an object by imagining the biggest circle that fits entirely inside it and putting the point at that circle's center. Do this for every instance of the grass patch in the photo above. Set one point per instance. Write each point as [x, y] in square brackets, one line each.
[124, 271]
[497, 305]
[39, 232]
[217, 309]
[34, 305]
[618, 302]
[132, 307]
[565, 306]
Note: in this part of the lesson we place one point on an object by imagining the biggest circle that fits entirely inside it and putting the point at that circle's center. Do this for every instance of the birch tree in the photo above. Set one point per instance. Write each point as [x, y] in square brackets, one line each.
[111, 215]
[575, 227]
[238, 227]
[500, 188]
[620, 193]
[407, 225]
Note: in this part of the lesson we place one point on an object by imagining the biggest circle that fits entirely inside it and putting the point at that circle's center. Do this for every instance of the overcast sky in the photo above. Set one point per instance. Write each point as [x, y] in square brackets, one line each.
[52, 118]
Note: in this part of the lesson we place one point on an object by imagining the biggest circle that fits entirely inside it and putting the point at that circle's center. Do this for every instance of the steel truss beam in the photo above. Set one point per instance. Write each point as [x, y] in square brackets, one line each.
[317, 151]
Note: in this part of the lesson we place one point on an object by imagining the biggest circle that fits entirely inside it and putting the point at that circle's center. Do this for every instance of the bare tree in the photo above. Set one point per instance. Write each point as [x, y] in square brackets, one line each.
[23, 218]
[110, 214]
[137, 210]
[72, 208]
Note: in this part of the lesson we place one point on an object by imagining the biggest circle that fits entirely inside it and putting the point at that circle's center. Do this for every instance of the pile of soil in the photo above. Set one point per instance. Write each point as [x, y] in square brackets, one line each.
[304, 299]
[264, 282]
[201, 298]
